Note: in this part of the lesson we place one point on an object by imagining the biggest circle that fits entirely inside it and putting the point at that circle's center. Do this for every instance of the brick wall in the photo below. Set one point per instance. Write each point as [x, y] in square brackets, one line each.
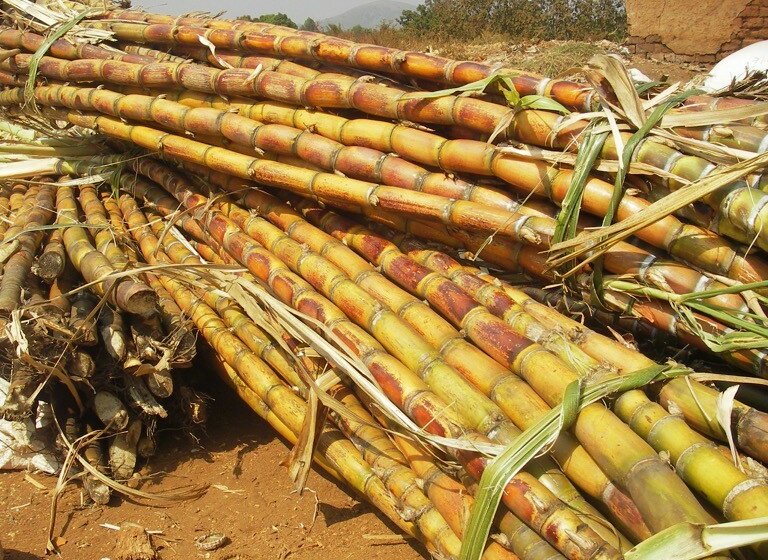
[705, 40]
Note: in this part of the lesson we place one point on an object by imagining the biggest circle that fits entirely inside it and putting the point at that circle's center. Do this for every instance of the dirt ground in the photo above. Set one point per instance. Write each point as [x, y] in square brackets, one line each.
[251, 503]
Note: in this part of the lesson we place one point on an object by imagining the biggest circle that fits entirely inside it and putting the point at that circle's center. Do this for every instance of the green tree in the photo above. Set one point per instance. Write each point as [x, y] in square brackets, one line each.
[309, 25]
[420, 19]
[275, 19]
[517, 19]
[334, 29]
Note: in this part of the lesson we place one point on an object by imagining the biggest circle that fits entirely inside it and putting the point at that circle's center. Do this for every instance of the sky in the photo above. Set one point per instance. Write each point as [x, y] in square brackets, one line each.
[297, 10]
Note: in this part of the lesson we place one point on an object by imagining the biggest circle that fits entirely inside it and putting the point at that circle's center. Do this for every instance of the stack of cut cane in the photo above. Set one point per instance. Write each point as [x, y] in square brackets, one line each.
[347, 236]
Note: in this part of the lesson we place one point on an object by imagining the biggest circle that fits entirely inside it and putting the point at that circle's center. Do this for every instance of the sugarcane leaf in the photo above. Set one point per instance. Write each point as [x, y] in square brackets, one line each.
[472, 87]
[715, 117]
[34, 61]
[351, 365]
[642, 87]
[614, 72]
[724, 414]
[503, 468]
[617, 194]
[543, 103]
[690, 541]
[600, 240]
[568, 217]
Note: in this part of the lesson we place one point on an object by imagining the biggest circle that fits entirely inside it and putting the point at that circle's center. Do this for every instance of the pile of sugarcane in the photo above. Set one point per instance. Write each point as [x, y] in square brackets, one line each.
[367, 242]
[84, 337]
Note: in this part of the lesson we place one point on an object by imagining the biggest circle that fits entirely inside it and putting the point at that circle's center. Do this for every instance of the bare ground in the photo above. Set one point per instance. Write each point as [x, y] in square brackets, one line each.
[251, 504]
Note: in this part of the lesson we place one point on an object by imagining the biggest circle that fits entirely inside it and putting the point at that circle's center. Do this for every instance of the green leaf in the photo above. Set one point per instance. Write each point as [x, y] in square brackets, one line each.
[568, 217]
[478, 86]
[542, 103]
[34, 61]
[689, 541]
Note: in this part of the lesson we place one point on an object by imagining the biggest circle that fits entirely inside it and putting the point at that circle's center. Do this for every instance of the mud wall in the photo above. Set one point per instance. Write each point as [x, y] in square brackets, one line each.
[694, 31]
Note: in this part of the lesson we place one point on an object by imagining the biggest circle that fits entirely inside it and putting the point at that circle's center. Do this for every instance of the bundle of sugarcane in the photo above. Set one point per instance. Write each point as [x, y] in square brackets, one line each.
[723, 267]
[399, 351]
[90, 341]
[423, 328]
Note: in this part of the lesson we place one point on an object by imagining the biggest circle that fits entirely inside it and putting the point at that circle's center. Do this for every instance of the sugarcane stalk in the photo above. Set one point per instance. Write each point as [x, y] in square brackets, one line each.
[179, 329]
[625, 257]
[657, 312]
[160, 382]
[366, 133]
[443, 489]
[125, 292]
[122, 451]
[111, 411]
[541, 128]
[60, 287]
[682, 240]
[28, 234]
[395, 470]
[405, 389]
[147, 335]
[546, 373]
[697, 402]
[160, 56]
[568, 451]
[624, 322]
[141, 397]
[7, 210]
[358, 162]
[293, 226]
[112, 329]
[99, 224]
[282, 41]
[63, 48]
[80, 364]
[460, 213]
[272, 399]
[449, 496]
[232, 59]
[458, 353]
[252, 336]
[38, 299]
[528, 222]
[738, 206]
[99, 492]
[314, 46]
[51, 262]
[666, 433]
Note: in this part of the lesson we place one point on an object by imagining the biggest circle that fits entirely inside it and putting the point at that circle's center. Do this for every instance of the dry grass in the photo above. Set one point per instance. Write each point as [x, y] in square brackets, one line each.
[556, 58]
[550, 58]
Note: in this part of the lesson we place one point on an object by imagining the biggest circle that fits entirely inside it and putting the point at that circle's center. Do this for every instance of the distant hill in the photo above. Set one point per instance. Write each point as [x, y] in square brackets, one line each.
[368, 15]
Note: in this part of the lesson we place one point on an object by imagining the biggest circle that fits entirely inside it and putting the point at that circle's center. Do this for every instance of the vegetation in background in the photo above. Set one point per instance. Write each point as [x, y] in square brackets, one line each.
[277, 19]
[492, 30]
[519, 19]
[446, 23]
[309, 25]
